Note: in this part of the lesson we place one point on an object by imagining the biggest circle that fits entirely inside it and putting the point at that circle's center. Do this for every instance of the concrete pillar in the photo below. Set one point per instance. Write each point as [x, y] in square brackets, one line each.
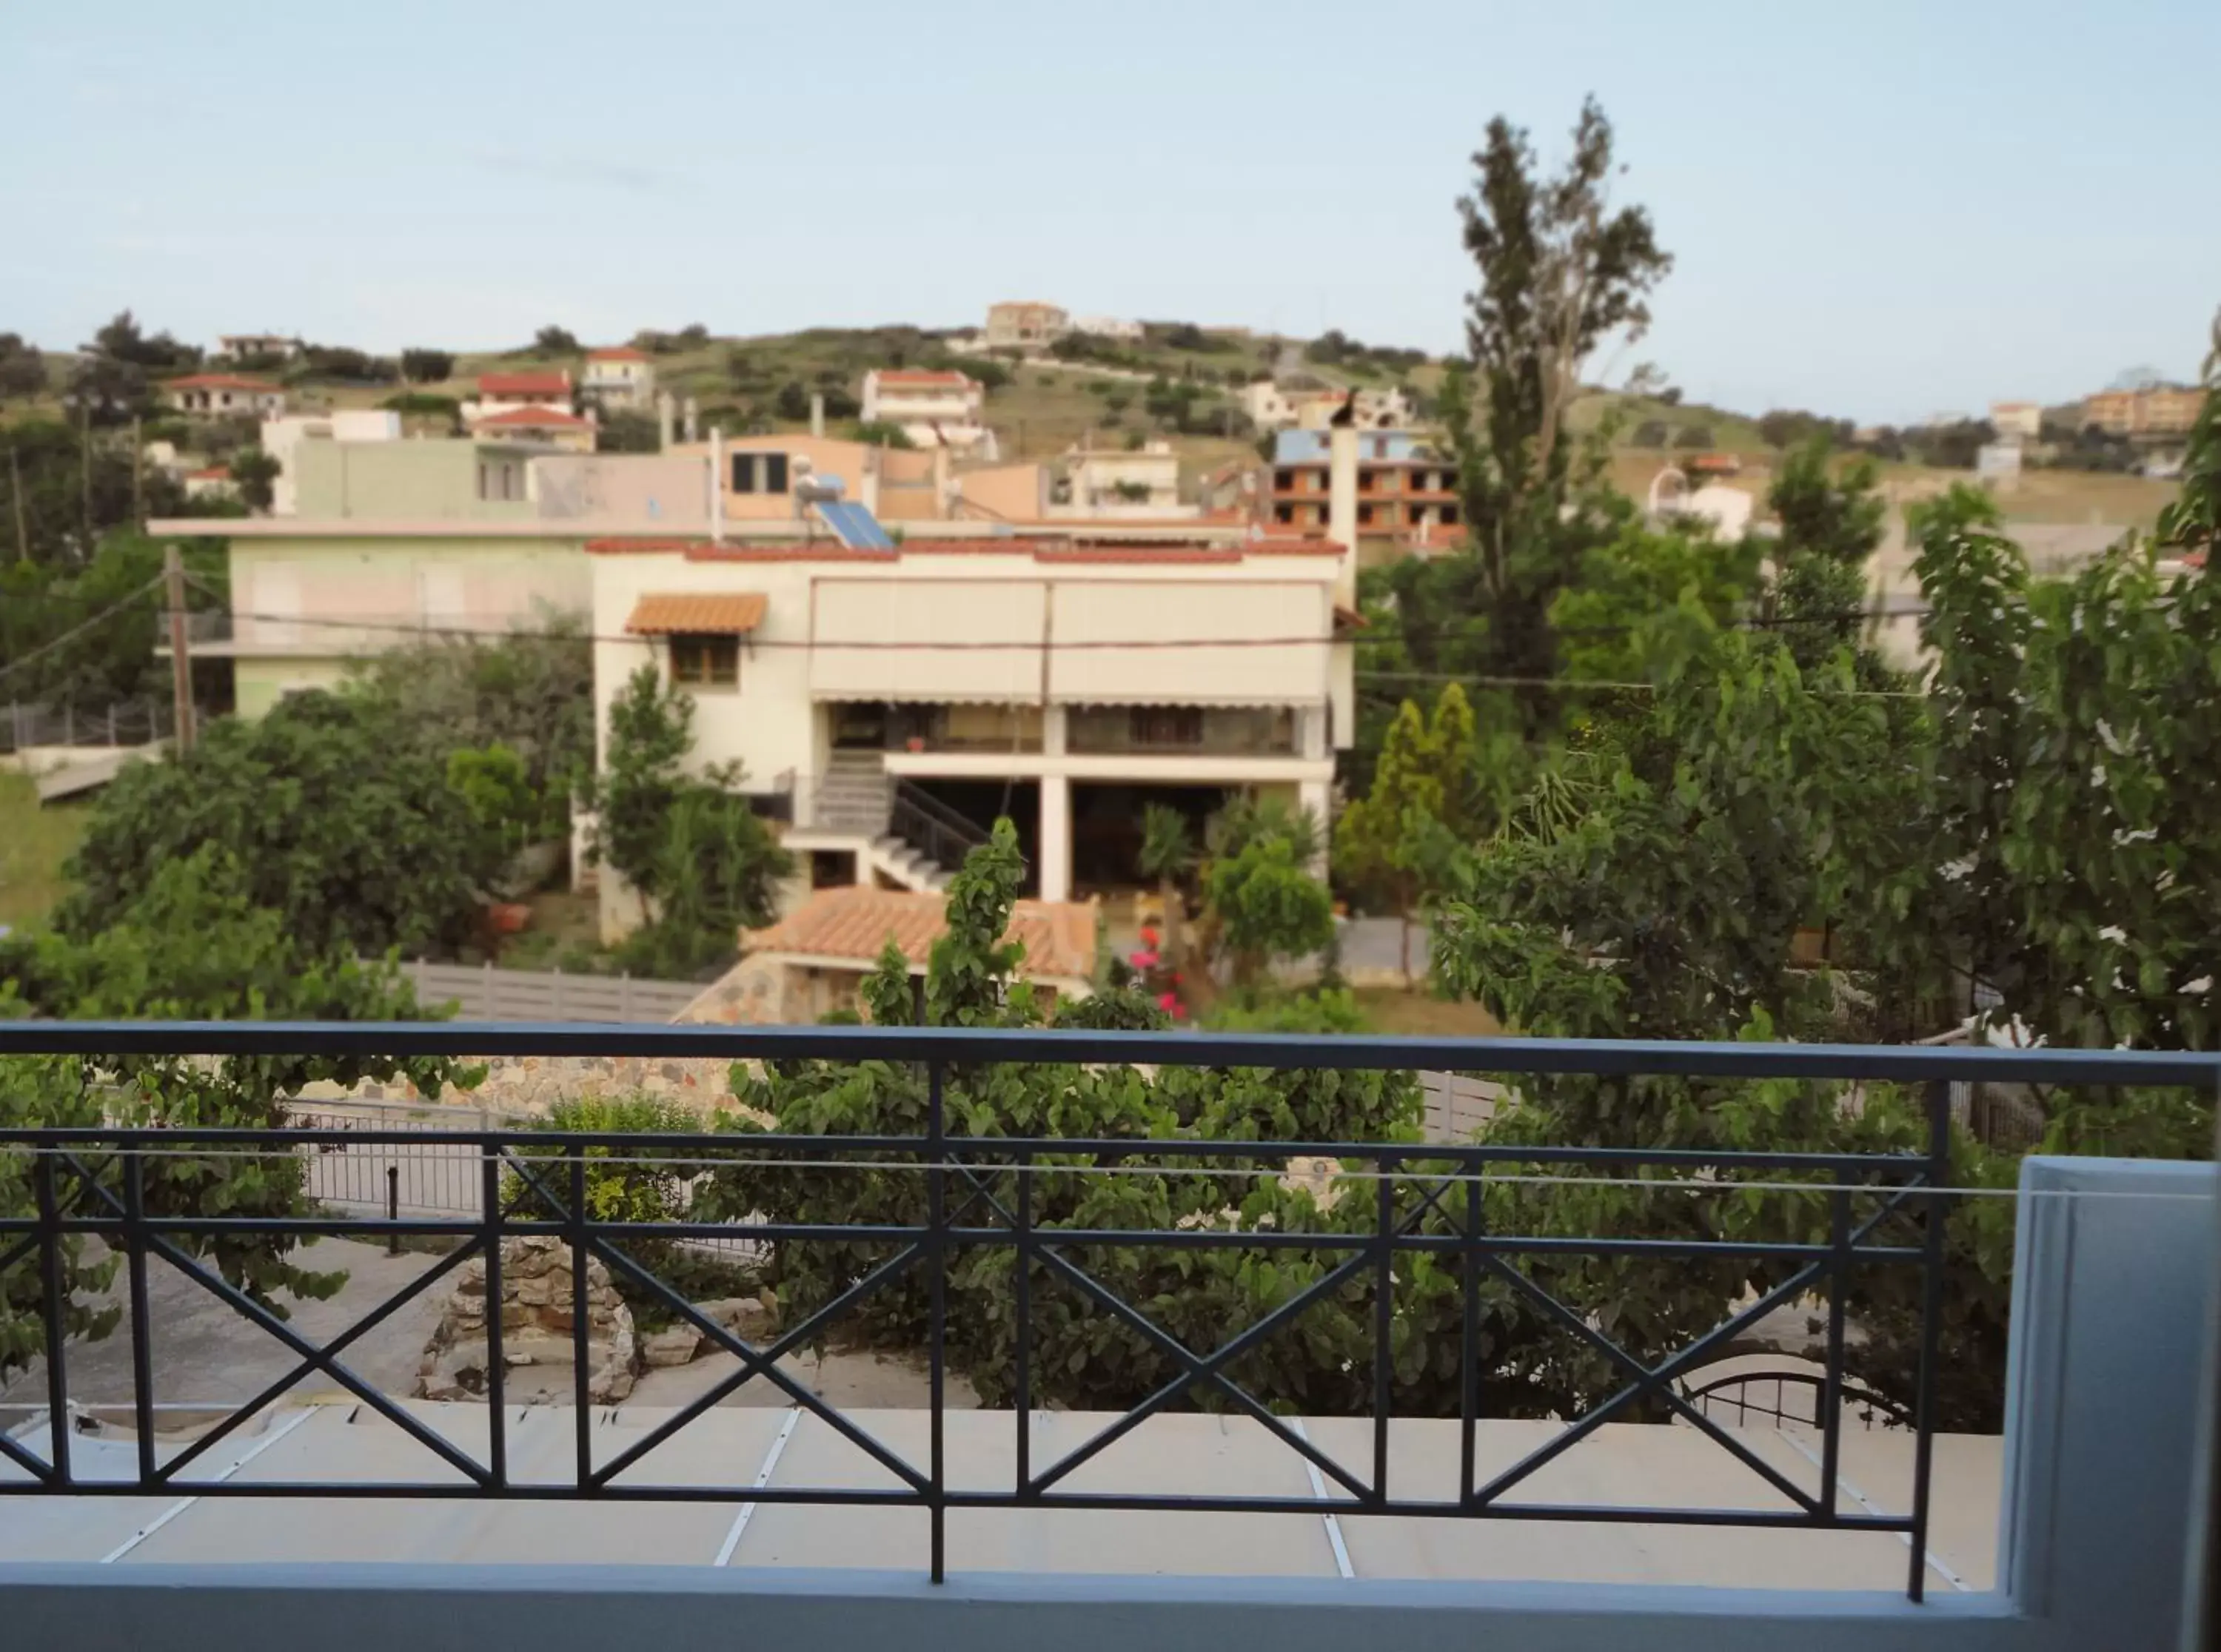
[1316, 799]
[1055, 853]
[1311, 732]
[666, 412]
[816, 412]
[1053, 730]
[717, 480]
[691, 417]
[1342, 509]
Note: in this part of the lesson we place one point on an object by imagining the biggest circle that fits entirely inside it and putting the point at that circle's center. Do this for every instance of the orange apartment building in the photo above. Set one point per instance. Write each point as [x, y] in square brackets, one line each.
[2163, 410]
[1402, 487]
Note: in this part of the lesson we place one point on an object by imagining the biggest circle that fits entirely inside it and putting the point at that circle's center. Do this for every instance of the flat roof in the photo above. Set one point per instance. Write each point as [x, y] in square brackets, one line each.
[1631, 1464]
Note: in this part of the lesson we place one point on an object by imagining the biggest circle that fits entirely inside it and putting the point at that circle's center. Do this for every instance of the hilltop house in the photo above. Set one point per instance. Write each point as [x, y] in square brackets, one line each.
[248, 346]
[933, 409]
[1024, 325]
[1124, 482]
[505, 392]
[1272, 406]
[217, 396]
[618, 377]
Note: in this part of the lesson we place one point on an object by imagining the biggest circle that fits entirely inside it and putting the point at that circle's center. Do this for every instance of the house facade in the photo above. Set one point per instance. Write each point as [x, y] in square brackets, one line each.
[1109, 482]
[619, 377]
[502, 392]
[2022, 421]
[219, 396]
[556, 428]
[1272, 406]
[283, 436]
[893, 700]
[933, 409]
[1024, 325]
[2161, 410]
[243, 346]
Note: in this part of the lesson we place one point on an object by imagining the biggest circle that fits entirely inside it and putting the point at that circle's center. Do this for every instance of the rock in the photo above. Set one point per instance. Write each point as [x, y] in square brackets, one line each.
[746, 1316]
[676, 1346]
[537, 1324]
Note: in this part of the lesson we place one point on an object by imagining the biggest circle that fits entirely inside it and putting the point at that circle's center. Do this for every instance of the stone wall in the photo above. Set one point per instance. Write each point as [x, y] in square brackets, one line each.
[538, 1323]
[529, 1085]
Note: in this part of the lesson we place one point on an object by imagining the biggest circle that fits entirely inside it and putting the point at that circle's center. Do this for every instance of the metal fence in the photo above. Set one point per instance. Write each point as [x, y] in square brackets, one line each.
[126, 723]
[980, 1193]
[490, 994]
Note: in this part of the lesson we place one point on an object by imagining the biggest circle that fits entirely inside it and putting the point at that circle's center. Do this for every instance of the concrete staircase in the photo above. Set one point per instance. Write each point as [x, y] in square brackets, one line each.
[856, 800]
[856, 796]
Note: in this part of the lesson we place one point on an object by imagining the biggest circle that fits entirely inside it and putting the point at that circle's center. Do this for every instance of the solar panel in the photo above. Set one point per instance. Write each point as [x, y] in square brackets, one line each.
[854, 525]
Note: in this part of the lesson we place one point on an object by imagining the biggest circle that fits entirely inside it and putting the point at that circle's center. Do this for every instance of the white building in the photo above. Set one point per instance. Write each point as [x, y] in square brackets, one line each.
[1108, 482]
[1024, 324]
[895, 697]
[282, 438]
[218, 395]
[619, 377]
[933, 408]
[243, 346]
[1108, 327]
[548, 387]
[1272, 406]
[2021, 419]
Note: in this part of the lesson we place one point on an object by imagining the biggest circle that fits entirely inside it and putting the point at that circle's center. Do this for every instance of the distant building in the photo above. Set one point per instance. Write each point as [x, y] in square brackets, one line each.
[555, 427]
[619, 377]
[1402, 485]
[1019, 325]
[282, 438]
[2023, 419]
[1274, 407]
[213, 482]
[934, 409]
[1139, 482]
[241, 346]
[1106, 327]
[543, 388]
[218, 395]
[1998, 460]
[2161, 410]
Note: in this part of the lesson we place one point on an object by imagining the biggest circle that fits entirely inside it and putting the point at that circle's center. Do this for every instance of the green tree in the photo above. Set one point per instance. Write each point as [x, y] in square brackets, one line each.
[1168, 855]
[555, 341]
[427, 366]
[1261, 899]
[1832, 522]
[253, 472]
[343, 827]
[1395, 841]
[189, 945]
[704, 865]
[880, 433]
[22, 368]
[628, 431]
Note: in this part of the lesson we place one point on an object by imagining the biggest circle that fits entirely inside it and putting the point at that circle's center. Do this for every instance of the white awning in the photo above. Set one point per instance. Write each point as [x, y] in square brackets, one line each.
[1225, 643]
[938, 640]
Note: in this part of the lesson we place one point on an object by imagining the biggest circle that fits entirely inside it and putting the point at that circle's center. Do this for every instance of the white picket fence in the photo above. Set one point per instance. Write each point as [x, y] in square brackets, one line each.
[491, 994]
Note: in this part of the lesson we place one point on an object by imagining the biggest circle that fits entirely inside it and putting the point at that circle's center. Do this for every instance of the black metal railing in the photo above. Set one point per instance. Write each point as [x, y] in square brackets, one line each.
[92, 1183]
[932, 827]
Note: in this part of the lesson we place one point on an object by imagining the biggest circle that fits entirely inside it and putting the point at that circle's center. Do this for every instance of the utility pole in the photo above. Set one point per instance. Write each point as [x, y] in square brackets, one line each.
[181, 666]
[15, 492]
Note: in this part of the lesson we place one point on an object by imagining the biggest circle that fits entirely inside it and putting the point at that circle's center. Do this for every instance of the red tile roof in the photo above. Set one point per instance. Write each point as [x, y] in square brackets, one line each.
[530, 419]
[212, 473]
[617, 352]
[728, 613]
[856, 922]
[919, 376]
[1053, 551]
[220, 381]
[540, 384]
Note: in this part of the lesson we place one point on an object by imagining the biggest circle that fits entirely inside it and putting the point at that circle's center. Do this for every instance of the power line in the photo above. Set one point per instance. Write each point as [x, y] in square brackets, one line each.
[79, 630]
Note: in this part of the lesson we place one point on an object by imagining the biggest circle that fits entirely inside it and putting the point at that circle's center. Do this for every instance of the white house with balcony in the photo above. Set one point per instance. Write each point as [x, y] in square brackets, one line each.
[1113, 482]
[933, 408]
[619, 377]
[897, 700]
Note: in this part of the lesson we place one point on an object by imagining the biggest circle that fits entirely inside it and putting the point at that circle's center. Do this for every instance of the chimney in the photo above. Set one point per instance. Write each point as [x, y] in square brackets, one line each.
[943, 491]
[663, 416]
[691, 417]
[716, 486]
[816, 412]
[1342, 508]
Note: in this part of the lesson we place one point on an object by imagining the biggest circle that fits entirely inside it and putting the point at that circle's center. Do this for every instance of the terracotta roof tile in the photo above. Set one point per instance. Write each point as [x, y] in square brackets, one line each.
[731, 613]
[920, 376]
[856, 922]
[617, 352]
[530, 419]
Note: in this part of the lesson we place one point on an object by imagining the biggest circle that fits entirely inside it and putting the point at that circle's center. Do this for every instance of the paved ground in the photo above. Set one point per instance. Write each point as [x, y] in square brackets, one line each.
[205, 1352]
[843, 1377]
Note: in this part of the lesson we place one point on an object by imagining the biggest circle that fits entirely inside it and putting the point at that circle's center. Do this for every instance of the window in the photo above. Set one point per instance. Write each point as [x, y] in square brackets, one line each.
[1450, 516]
[759, 473]
[1166, 725]
[1283, 481]
[1365, 515]
[705, 661]
[1284, 513]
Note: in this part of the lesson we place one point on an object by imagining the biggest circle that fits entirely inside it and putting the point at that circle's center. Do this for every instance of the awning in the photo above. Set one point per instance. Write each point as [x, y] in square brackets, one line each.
[729, 614]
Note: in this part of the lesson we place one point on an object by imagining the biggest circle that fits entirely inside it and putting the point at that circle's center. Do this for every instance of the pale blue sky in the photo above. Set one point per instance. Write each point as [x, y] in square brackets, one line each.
[1879, 211]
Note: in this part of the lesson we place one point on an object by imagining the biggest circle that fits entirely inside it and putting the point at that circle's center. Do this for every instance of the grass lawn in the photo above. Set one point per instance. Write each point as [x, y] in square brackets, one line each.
[1420, 1014]
[33, 844]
